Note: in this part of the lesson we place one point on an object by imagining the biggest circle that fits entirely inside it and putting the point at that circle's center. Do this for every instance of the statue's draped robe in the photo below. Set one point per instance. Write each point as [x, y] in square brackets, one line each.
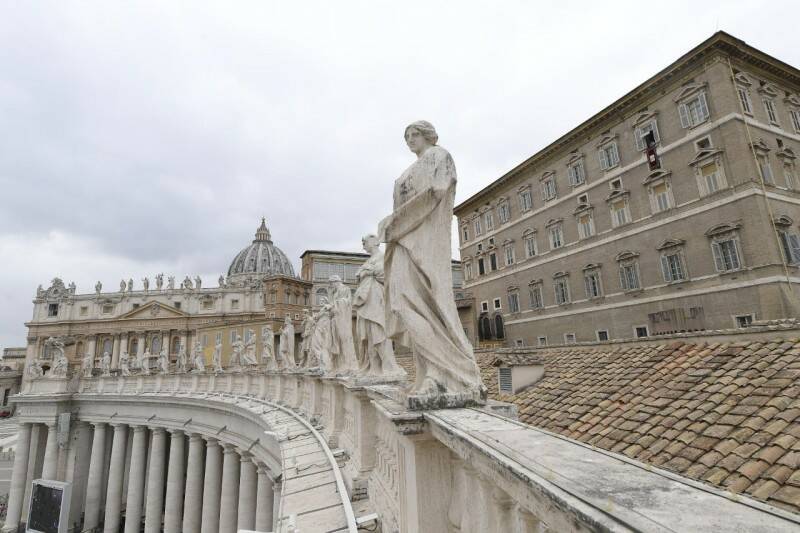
[343, 347]
[321, 340]
[421, 311]
[373, 344]
[286, 346]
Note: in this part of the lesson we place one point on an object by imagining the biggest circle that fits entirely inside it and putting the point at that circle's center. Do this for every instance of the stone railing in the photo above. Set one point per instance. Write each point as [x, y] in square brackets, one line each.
[452, 470]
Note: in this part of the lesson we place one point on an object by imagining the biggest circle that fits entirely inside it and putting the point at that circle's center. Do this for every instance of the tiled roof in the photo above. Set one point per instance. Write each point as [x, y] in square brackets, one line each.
[723, 413]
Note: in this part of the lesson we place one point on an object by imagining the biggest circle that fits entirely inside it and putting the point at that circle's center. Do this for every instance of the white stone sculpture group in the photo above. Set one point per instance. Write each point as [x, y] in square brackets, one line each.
[403, 297]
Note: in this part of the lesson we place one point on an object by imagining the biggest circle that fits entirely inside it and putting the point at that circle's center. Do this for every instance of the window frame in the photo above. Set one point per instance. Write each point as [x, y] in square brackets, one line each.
[562, 297]
[604, 151]
[576, 172]
[687, 108]
[640, 132]
[525, 199]
[513, 301]
[555, 229]
[549, 187]
[771, 110]
[529, 239]
[593, 273]
[535, 287]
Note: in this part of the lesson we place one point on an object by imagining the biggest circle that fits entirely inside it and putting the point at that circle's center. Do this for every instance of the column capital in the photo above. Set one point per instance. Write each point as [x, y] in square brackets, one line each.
[174, 431]
[246, 457]
[262, 469]
[97, 424]
[229, 448]
[157, 429]
[193, 437]
[138, 428]
[211, 442]
[118, 426]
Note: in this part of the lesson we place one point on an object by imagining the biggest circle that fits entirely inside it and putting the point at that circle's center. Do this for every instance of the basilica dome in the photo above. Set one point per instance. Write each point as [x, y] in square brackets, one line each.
[261, 258]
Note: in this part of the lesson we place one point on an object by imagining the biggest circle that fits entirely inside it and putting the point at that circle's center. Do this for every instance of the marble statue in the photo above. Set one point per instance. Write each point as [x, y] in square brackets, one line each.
[98, 287]
[321, 338]
[130, 285]
[187, 282]
[40, 291]
[249, 354]
[221, 282]
[421, 311]
[35, 369]
[268, 347]
[122, 286]
[216, 358]
[170, 282]
[146, 283]
[144, 363]
[87, 365]
[105, 364]
[306, 329]
[163, 361]
[124, 364]
[60, 363]
[72, 287]
[286, 344]
[343, 348]
[197, 282]
[374, 349]
[236, 352]
[199, 358]
[181, 360]
[159, 281]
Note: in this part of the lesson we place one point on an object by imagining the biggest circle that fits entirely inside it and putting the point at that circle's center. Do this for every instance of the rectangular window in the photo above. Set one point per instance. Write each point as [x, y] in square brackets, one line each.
[791, 246]
[585, 225]
[743, 321]
[641, 331]
[232, 336]
[468, 271]
[204, 340]
[466, 233]
[569, 338]
[504, 212]
[576, 174]
[177, 305]
[536, 297]
[789, 176]
[84, 310]
[513, 302]
[694, 111]
[561, 291]
[481, 267]
[234, 304]
[772, 114]
[619, 213]
[744, 98]
[542, 340]
[710, 174]
[641, 132]
[525, 200]
[509, 255]
[520, 343]
[795, 114]
[489, 221]
[485, 307]
[52, 310]
[497, 304]
[493, 261]
[592, 283]
[629, 277]
[609, 156]
[478, 227]
[136, 306]
[726, 255]
[530, 246]
[548, 189]
[602, 335]
[108, 309]
[218, 338]
[556, 237]
[208, 304]
[672, 267]
[660, 197]
[766, 169]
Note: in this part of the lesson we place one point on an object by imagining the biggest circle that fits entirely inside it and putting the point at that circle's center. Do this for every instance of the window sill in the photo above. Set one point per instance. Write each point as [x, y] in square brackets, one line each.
[634, 292]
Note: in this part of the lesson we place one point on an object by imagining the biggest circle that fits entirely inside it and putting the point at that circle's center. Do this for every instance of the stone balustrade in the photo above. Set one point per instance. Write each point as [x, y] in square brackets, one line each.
[338, 450]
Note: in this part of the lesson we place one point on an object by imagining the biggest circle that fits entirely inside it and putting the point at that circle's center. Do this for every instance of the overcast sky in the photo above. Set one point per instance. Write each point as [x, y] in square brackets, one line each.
[146, 137]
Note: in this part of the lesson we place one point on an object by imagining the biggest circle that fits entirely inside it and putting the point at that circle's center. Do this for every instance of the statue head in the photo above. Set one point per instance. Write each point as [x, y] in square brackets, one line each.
[420, 136]
[370, 242]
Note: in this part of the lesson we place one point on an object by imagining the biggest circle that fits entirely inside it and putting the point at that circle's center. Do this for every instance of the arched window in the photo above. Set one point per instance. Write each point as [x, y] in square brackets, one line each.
[322, 293]
[134, 347]
[107, 346]
[176, 344]
[499, 331]
[484, 328]
[155, 344]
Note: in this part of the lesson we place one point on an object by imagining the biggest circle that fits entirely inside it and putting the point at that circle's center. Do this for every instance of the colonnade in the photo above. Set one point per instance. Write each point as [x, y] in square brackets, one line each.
[167, 479]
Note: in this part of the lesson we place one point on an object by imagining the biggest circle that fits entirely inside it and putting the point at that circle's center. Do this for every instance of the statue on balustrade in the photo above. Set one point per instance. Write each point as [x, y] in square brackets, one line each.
[199, 358]
[249, 354]
[321, 337]
[130, 285]
[98, 287]
[35, 369]
[306, 330]
[375, 354]
[159, 281]
[124, 364]
[40, 292]
[216, 358]
[122, 286]
[286, 345]
[343, 348]
[171, 282]
[268, 347]
[72, 287]
[87, 365]
[187, 282]
[221, 282]
[163, 361]
[146, 284]
[105, 364]
[144, 362]
[197, 282]
[60, 363]
[181, 362]
[237, 347]
[421, 311]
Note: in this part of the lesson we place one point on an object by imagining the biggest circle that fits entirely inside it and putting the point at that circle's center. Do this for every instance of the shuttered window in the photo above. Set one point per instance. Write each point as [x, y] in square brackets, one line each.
[694, 111]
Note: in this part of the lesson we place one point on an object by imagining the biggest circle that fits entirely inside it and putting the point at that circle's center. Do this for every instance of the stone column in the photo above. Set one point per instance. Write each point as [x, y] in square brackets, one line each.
[193, 497]
[133, 507]
[230, 490]
[94, 484]
[19, 474]
[115, 352]
[264, 500]
[92, 348]
[165, 341]
[212, 486]
[50, 466]
[174, 502]
[248, 485]
[155, 482]
[116, 471]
